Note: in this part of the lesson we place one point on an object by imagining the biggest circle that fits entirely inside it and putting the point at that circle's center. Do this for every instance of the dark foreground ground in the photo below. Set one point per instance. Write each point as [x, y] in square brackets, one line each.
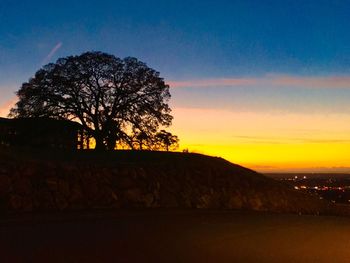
[174, 236]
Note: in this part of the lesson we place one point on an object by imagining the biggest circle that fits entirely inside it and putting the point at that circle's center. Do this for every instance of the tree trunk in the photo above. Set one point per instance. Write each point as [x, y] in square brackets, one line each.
[100, 146]
[111, 142]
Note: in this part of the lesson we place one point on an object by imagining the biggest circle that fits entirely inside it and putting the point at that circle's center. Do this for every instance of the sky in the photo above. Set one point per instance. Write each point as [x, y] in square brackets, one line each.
[265, 84]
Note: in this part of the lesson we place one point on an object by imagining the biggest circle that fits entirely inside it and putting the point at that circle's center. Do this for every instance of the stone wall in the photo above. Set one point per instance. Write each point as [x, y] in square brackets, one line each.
[180, 180]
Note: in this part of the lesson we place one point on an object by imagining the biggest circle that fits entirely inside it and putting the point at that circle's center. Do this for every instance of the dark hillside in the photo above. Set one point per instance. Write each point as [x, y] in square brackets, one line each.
[48, 181]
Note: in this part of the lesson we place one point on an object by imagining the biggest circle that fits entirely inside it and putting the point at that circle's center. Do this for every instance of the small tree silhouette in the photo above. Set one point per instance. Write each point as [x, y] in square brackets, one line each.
[166, 141]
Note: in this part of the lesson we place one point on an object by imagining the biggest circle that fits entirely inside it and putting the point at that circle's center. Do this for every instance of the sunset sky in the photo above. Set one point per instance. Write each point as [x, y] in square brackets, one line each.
[265, 84]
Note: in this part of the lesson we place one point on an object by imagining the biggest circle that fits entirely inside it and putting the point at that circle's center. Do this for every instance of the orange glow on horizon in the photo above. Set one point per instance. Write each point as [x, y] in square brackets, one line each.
[6, 106]
[268, 142]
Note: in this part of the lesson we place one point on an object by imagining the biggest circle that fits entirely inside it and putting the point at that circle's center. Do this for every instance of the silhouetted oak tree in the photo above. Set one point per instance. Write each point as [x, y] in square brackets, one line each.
[160, 141]
[166, 141]
[111, 97]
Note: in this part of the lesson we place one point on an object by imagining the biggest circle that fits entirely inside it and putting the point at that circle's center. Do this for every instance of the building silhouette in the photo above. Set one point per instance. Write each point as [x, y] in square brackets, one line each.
[42, 133]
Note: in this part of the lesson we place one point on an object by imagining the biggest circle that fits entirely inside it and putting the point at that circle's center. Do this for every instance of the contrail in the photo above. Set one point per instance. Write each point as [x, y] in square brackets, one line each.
[52, 52]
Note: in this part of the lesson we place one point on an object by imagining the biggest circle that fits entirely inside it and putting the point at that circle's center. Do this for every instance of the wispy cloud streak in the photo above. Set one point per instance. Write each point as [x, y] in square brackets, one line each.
[52, 53]
[311, 82]
[214, 82]
[342, 82]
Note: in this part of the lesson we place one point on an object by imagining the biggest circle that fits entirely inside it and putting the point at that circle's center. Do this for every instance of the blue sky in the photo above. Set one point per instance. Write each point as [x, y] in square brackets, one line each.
[275, 57]
[181, 39]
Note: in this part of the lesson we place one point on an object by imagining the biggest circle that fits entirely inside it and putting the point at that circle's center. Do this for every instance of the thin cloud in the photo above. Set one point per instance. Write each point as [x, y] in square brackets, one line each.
[214, 82]
[342, 82]
[311, 82]
[52, 53]
[282, 140]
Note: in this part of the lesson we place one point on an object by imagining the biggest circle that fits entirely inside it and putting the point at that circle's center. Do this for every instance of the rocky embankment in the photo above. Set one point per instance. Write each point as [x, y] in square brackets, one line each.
[46, 181]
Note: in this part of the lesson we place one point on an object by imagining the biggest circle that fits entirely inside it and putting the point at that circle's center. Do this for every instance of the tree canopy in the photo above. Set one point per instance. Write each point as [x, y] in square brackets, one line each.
[114, 99]
[160, 141]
